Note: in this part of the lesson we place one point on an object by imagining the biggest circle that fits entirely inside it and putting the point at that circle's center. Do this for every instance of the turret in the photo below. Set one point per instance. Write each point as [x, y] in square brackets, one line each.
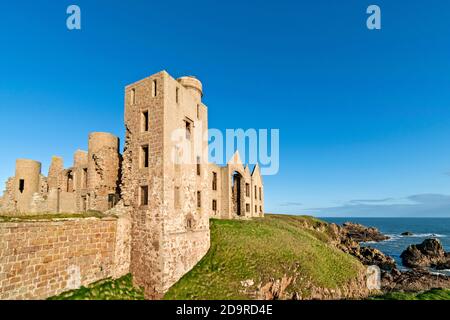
[193, 85]
[103, 169]
[26, 182]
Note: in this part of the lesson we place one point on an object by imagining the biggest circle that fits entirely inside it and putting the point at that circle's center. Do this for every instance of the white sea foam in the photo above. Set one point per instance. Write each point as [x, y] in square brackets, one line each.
[444, 272]
[393, 237]
[426, 235]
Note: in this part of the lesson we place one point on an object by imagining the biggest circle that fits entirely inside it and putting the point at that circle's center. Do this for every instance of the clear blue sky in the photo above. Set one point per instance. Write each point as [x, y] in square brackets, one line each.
[364, 116]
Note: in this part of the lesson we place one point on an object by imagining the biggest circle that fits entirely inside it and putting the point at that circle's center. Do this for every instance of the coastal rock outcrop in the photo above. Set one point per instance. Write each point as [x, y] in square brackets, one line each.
[371, 256]
[419, 257]
[428, 254]
[360, 233]
[415, 280]
[347, 239]
[407, 234]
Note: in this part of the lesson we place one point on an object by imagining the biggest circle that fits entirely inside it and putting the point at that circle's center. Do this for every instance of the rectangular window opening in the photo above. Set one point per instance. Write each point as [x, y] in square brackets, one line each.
[21, 185]
[214, 205]
[83, 203]
[144, 195]
[214, 182]
[247, 190]
[199, 169]
[188, 130]
[155, 88]
[112, 200]
[145, 156]
[247, 207]
[177, 198]
[199, 199]
[133, 96]
[177, 95]
[85, 178]
[70, 182]
[145, 124]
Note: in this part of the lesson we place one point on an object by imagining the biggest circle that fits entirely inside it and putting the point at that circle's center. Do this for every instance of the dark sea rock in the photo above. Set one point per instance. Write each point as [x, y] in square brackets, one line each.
[428, 254]
[407, 233]
[371, 256]
[413, 281]
[360, 233]
[347, 239]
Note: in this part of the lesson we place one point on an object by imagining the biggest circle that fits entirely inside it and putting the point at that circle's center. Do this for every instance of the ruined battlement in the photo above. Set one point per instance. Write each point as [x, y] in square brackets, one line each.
[166, 203]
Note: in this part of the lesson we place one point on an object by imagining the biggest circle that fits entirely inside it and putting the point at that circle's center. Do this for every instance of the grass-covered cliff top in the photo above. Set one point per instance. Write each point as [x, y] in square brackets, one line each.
[434, 294]
[263, 250]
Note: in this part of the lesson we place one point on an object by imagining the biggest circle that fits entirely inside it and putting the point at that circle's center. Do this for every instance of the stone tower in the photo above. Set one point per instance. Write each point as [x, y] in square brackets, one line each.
[103, 167]
[26, 182]
[167, 199]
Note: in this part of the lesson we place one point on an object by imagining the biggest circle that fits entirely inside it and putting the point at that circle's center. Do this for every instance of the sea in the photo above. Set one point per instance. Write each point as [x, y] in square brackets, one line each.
[422, 228]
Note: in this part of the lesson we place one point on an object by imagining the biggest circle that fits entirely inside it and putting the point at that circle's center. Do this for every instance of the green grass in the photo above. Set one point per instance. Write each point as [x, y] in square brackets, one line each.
[50, 216]
[264, 249]
[120, 289]
[434, 294]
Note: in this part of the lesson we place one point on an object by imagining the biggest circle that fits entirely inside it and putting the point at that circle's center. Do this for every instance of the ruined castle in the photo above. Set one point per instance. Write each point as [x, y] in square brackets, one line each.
[163, 204]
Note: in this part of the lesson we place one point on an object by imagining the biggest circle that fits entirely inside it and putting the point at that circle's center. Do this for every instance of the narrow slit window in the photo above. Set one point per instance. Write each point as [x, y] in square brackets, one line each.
[144, 195]
[155, 88]
[260, 192]
[247, 190]
[177, 198]
[133, 96]
[256, 195]
[198, 112]
[199, 199]
[214, 205]
[145, 124]
[21, 185]
[214, 182]
[177, 95]
[145, 156]
[199, 169]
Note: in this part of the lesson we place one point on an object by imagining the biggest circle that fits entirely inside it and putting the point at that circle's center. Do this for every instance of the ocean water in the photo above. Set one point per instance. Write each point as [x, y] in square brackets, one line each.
[422, 228]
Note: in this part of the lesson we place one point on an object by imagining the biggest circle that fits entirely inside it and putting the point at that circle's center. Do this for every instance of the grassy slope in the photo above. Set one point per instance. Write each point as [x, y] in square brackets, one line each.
[120, 289]
[258, 250]
[434, 294]
[262, 249]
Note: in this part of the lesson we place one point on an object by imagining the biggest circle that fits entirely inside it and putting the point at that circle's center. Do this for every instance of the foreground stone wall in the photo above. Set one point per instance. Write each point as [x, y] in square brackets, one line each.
[40, 259]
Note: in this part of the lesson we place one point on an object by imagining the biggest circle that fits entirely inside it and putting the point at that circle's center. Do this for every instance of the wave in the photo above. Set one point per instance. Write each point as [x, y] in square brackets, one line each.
[392, 237]
[426, 235]
[444, 272]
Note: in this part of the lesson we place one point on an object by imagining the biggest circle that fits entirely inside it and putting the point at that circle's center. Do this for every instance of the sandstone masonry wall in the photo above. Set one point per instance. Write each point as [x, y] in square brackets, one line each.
[40, 259]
